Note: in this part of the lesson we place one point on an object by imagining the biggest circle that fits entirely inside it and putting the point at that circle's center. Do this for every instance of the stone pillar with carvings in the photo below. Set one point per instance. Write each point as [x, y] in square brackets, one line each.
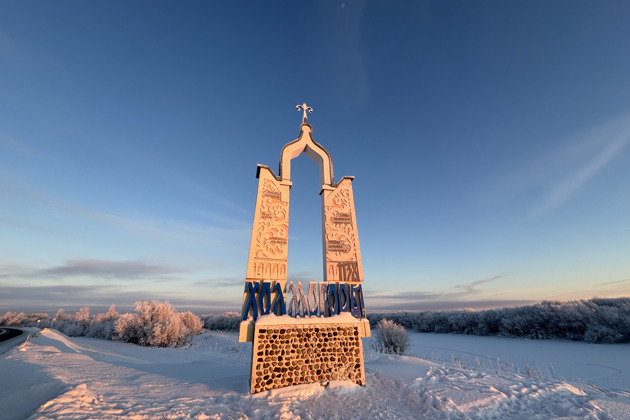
[268, 246]
[270, 233]
[267, 263]
[342, 255]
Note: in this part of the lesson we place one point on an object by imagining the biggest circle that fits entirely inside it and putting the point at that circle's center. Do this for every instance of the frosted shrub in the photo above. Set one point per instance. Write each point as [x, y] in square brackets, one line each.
[128, 329]
[228, 321]
[82, 315]
[103, 324]
[61, 316]
[12, 318]
[157, 324]
[602, 334]
[72, 328]
[391, 338]
[191, 322]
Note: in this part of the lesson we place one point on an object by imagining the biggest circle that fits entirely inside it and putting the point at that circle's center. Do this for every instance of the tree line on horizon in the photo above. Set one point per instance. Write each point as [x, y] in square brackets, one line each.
[155, 324]
[598, 320]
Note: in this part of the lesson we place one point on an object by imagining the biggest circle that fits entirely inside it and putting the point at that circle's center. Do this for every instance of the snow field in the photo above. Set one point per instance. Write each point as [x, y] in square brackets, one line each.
[52, 376]
[586, 365]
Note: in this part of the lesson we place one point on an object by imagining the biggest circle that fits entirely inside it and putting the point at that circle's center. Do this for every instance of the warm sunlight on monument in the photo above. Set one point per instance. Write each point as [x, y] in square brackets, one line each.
[320, 340]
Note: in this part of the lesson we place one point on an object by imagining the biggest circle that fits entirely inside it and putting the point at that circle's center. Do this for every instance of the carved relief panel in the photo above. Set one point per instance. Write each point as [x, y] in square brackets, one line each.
[342, 255]
[270, 233]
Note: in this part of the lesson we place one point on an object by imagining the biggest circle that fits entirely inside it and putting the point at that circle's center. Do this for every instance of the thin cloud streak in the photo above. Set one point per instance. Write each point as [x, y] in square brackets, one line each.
[220, 282]
[185, 184]
[145, 226]
[611, 283]
[98, 298]
[407, 296]
[459, 291]
[105, 269]
[550, 179]
[471, 288]
[459, 297]
[449, 305]
[91, 268]
[598, 147]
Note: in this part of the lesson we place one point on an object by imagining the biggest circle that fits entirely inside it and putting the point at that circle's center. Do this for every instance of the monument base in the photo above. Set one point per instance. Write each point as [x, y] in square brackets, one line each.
[289, 351]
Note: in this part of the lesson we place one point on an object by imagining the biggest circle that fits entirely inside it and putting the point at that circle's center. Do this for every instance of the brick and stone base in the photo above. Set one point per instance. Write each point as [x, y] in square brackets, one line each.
[307, 351]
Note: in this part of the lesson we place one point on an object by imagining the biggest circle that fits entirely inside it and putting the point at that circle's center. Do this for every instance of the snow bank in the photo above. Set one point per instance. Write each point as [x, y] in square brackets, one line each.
[53, 377]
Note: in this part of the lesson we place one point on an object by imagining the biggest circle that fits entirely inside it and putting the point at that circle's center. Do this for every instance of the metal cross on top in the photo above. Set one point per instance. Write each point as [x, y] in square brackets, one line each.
[304, 108]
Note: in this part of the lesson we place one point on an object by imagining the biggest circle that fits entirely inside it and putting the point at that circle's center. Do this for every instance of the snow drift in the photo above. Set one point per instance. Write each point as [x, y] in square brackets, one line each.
[53, 376]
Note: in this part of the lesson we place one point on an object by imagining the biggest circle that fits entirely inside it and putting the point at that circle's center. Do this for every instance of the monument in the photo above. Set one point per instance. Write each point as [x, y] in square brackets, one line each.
[303, 337]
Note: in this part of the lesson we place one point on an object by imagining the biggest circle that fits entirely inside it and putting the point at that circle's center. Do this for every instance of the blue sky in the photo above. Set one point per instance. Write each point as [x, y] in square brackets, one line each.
[489, 141]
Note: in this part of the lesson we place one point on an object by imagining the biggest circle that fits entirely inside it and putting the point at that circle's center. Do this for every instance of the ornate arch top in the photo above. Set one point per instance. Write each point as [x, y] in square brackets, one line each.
[306, 144]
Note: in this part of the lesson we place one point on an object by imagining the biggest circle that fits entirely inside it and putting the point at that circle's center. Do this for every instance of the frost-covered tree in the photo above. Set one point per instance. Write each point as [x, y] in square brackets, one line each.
[228, 321]
[191, 323]
[157, 324]
[61, 315]
[391, 338]
[102, 325]
[595, 320]
[128, 329]
[82, 315]
[12, 318]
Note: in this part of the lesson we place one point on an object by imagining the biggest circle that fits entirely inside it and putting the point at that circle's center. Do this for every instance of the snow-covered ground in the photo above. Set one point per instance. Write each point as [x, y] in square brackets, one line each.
[445, 376]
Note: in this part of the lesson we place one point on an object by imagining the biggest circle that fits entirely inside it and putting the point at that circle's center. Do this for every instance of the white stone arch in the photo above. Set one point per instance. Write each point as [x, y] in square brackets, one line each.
[305, 144]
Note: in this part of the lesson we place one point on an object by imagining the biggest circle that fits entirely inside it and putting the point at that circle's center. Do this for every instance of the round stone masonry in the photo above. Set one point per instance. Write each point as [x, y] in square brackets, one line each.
[289, 351]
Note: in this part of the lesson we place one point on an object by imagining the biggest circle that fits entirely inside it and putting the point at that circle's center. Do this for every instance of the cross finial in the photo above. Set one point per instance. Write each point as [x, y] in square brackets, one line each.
[305, 109]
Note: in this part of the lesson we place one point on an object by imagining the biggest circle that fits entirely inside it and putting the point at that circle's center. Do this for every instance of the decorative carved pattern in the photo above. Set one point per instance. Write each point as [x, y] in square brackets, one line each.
[340, 238]
[270, 270]
[272, 230]
[270, 233]
[342, 244]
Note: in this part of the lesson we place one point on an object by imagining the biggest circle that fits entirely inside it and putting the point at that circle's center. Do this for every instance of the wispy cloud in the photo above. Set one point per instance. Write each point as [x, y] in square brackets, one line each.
[221, 228]
[459, 291]
[607, 289]
[99, 297]
[446, 305]
[90, 268]
[192, 187]
[554, 176]
[143, 226]
[592, 151]
[12, 145]
[106, 269]
[26, 57]
[613, 283]
[458, 297]
[471, 288]
[221, 282]
[173, 230]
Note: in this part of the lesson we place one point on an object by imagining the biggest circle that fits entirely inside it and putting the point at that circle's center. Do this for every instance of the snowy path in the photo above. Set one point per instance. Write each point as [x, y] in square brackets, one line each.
[59, 377]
